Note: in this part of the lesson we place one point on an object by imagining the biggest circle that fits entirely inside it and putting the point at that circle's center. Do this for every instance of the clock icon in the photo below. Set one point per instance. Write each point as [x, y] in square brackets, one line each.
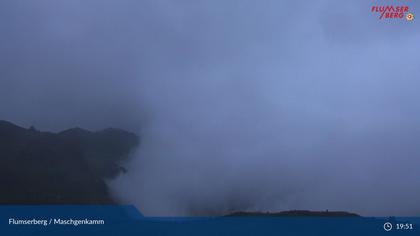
[387, 226]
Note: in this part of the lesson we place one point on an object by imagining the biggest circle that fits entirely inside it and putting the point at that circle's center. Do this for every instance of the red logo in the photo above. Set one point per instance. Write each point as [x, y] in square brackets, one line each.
[393, 12]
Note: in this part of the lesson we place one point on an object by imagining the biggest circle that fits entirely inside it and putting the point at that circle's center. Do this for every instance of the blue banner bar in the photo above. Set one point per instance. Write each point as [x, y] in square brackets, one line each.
[126, 220]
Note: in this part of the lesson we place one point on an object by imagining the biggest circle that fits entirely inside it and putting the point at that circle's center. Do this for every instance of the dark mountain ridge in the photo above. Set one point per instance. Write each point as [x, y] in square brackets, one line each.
[69, 167]
[295, 213]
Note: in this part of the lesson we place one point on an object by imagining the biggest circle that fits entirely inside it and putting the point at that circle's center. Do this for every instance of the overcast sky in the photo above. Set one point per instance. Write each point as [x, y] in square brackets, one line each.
[240, 104]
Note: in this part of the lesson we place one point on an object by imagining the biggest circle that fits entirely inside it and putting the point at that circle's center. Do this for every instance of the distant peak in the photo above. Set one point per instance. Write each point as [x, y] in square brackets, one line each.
[3, 122]
[76, 130]
[9, 125]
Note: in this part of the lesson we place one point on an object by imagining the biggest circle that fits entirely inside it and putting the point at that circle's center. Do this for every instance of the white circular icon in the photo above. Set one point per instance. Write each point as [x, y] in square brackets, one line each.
[387, 226]
[409, 16]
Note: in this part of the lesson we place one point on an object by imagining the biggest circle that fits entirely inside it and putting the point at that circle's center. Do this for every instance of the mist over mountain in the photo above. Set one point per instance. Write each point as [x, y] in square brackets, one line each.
[241, 105]
[70, 167]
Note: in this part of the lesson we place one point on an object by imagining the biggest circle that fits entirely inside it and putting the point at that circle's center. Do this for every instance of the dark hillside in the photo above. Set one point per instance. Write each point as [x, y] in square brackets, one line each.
[65, 168]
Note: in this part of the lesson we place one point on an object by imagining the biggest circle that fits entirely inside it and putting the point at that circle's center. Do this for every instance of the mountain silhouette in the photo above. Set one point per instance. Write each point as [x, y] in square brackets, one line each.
[294, 213]
[70, 167]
